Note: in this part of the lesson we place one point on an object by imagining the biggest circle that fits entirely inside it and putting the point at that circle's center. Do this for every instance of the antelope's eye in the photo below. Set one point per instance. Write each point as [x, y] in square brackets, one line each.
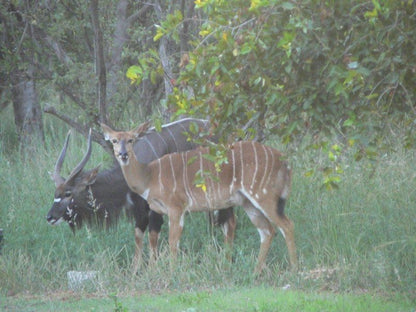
[68, 194]
[130, 141]
[114, 141]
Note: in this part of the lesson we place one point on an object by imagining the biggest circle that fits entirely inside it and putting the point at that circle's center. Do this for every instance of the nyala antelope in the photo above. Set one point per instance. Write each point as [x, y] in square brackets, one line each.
[255, 178]
[98, 197]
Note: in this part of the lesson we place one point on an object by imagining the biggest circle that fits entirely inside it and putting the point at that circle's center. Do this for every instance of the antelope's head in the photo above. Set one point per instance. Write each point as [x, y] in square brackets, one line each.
[123, 141]
[69, 192]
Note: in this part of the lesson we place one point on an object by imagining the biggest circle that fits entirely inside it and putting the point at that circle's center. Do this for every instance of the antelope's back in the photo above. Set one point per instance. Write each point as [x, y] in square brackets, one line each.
[172, 138]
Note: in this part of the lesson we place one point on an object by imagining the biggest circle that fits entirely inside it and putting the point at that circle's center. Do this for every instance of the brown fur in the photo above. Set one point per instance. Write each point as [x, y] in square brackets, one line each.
[255, 178]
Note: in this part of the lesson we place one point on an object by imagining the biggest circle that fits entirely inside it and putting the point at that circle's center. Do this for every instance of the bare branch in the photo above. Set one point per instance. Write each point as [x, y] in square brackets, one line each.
[137, 15]
[81, 128]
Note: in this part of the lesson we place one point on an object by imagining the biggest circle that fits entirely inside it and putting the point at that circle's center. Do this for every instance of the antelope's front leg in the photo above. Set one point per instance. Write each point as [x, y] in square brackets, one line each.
[176, 220]
[137, 260]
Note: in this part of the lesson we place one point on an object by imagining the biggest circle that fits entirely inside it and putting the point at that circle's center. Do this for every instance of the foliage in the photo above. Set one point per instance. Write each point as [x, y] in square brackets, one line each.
[291, 68]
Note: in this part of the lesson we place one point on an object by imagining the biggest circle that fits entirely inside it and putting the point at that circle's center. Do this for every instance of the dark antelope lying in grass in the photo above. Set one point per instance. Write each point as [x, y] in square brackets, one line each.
[98, 197]
[255, 177]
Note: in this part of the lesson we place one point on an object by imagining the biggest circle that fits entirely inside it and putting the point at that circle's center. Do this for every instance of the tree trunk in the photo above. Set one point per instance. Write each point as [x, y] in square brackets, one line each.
[27, 112]
[100, 67]
[119, 41]
[164, 59]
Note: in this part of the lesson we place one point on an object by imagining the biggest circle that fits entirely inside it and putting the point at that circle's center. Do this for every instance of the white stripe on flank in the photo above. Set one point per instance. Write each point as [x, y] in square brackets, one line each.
[256, 161]
[183, 127]
[151, 146]
[271, 170]
[173, 173]
[201, 168]
[241, 166]
[163, 140]
[261, 185]
[161, 188]
[218, 185]
[190, 184]
[185, 179]
[174, 139]
[233, 178]
[57, 200]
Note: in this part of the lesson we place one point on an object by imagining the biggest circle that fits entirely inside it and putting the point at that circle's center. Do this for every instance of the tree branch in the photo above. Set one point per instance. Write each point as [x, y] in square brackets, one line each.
[81, 128]
[134, 17]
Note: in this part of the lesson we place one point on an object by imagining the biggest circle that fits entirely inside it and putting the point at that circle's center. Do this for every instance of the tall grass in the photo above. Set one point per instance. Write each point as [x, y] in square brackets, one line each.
[359, 237]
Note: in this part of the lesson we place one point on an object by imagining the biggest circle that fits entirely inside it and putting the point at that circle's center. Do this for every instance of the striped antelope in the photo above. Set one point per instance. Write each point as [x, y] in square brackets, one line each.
[97, 197]
[255, 177]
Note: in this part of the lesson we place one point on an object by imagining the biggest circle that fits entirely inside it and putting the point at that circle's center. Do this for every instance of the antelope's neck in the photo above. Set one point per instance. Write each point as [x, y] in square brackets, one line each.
[137, 176]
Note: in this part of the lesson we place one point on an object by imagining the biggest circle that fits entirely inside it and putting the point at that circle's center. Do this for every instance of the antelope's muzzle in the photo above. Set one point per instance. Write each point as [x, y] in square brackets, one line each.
[123, 156]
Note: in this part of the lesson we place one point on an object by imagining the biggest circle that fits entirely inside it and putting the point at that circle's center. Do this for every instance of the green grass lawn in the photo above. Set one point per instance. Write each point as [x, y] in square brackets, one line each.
[246, 299]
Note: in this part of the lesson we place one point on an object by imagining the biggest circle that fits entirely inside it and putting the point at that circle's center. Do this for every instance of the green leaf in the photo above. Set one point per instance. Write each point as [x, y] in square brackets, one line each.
[134, 73]
[160, 32]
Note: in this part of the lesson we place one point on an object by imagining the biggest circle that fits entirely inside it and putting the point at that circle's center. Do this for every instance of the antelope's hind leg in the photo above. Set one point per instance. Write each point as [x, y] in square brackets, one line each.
[266, 231]
[286, 227]
[176, 221]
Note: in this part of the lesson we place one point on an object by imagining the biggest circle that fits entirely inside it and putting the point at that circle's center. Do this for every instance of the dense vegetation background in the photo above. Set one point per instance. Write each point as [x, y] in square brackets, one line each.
[331, 83]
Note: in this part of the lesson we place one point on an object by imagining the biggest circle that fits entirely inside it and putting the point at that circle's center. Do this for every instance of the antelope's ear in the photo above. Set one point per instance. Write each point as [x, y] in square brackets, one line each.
[107, 131]
[91, 176]
[142, 129]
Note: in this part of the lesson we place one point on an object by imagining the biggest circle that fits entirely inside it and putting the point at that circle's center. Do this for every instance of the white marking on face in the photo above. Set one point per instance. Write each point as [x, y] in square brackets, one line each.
[57, 200]
[69, 211]
[264, 191]
[123, 162]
